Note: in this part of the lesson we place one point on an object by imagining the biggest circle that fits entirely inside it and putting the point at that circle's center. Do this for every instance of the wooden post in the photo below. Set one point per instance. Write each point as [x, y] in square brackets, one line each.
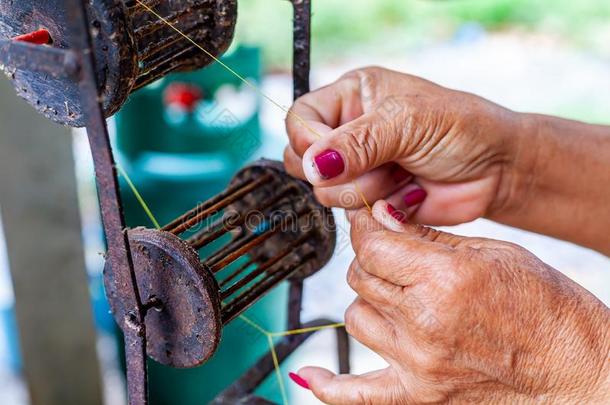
[40, 213]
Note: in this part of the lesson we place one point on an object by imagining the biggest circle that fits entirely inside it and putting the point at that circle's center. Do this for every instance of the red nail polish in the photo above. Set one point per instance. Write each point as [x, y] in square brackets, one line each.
[300, 381]
[398, 215]
[399, 174]
[415, 197]
[330, 164]
[40, 37]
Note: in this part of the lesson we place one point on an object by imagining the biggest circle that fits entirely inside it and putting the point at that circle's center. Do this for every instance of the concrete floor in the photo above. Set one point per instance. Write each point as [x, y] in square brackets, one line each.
[525, 73]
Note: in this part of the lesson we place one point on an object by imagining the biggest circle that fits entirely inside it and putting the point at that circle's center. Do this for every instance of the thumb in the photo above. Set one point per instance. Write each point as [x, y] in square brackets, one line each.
[377, 387]
[350, 151]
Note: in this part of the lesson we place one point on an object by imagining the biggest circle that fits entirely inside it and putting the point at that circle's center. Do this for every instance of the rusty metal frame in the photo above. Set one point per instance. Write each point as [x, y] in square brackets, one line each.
[110, 203]
[78, 64]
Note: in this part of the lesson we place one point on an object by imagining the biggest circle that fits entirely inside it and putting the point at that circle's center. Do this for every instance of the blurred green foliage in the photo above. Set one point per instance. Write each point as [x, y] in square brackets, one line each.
[344, 26]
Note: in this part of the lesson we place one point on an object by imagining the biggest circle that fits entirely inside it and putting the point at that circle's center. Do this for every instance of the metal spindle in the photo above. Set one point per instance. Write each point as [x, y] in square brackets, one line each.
[236, 273]
[262, 268]
[278, 231]
[221, 227]
[185, 224]
[244, 301]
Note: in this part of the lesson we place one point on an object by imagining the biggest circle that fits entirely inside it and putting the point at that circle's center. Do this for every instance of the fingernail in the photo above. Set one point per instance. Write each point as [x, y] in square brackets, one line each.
[399, 174]
[415, 197]
[399, 216]
[329, 163]
[300, 381]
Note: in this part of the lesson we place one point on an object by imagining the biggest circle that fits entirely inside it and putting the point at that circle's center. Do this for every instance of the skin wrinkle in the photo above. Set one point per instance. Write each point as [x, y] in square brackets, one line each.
[362, 146]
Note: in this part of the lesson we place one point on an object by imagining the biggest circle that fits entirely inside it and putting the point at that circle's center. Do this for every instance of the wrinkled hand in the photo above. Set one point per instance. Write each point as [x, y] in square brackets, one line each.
[402, 138]
[465, 320]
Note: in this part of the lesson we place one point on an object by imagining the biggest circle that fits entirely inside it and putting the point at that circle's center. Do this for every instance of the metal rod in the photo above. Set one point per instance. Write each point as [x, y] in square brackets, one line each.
[244, 301]
[206, 204]
[110, 202]
[156, 25]
[295, 302]
[162, 66]
[225, 250]
[263, 268]
[236, 273]
[244, 248]
[302, 46]
[157, 47]
[209, 234]
[236, 307]
[301, 72]
[18, 55]
[214, 232]
[133, 7]
[212, 206]
[343, 351]
[231, 252]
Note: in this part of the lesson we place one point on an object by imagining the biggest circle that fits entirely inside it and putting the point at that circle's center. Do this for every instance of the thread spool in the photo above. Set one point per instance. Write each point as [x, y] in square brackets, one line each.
[278, 231]
[132, 47]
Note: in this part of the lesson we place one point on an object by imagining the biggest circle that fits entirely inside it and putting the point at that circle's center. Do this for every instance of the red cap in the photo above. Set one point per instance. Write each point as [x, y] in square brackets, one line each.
[182, 95]
[40, 37]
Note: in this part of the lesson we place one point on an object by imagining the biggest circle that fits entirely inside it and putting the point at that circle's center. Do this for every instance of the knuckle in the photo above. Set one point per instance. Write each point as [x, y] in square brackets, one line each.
[371, 69]
[349, 83]
[352, 318]
[325, 394]
[368, 82]
[349, 198]
[352, 275]
[428, 363]
[452, 281]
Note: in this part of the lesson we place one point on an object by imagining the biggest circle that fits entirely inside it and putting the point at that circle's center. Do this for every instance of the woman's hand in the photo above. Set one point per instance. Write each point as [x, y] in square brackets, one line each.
[401, 137]
[443, 157]
[465, 320]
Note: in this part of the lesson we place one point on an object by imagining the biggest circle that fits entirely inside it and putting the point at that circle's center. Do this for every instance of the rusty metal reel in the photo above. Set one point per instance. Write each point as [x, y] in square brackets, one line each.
[183, 322]
[132, 47]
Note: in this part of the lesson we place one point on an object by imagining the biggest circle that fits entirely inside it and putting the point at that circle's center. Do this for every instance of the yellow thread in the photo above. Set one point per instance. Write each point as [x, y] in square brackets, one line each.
[278, 371]
[254, 325]
[307, 330]
[247, 82]
[138, 196]
[362, 197]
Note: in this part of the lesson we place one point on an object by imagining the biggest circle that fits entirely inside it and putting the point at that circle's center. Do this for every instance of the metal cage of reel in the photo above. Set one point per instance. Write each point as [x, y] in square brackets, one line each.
[132, 47]
[266, 227]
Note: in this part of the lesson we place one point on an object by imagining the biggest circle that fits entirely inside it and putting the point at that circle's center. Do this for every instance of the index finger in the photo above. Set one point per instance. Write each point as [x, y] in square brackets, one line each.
[319, 112]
